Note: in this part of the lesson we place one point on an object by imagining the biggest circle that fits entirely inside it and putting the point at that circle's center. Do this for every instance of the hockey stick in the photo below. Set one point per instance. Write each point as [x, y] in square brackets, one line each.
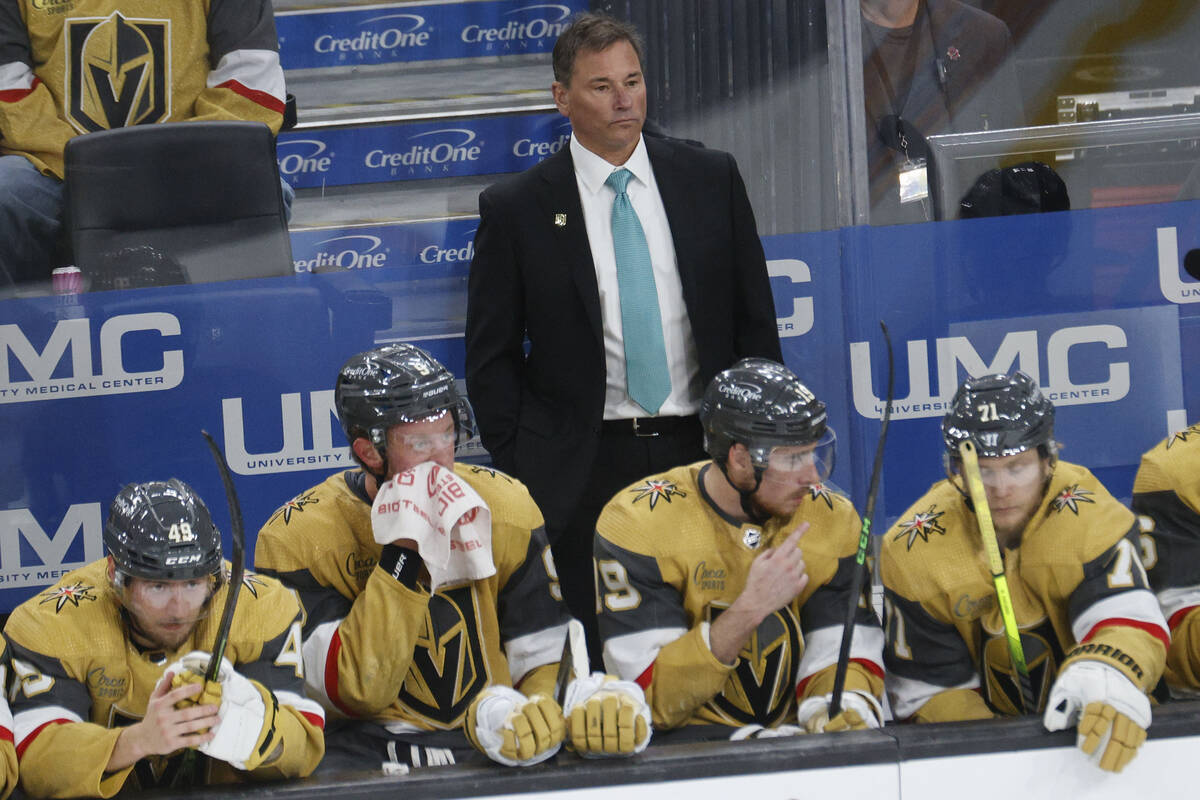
[574, 661]
[983, 513]
[864, 539]
[187, 769]
[237, 561]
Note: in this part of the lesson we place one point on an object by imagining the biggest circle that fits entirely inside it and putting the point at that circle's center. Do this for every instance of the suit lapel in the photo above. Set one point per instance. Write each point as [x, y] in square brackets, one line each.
[559, 201]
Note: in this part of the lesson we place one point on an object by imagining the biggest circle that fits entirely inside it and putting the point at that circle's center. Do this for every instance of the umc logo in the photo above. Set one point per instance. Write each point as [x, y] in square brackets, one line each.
[293, 456]
[800, 321]
[1173, 287]
[117, 72]
[82, 379]
[1018, 349]
[82, 520]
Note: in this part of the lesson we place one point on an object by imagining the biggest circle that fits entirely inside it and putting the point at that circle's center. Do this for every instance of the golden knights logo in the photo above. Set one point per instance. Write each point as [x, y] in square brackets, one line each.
[295, 506]
[448, 667]
[1001, 686]
[922, 524]
[1070, 498]
[1183, 435]
[118, 72]
[67, 594]
[655, 491]
[762, 686]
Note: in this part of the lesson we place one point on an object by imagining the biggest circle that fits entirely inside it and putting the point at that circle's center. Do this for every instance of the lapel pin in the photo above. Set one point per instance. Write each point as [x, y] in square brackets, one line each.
[560, 220]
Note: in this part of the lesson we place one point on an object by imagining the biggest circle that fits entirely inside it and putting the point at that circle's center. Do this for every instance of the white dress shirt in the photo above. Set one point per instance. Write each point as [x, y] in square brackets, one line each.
[591, 171]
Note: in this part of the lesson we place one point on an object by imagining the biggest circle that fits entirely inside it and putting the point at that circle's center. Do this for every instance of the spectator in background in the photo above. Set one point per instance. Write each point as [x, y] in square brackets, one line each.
[609, 388]
[95, 65]
[929, 67]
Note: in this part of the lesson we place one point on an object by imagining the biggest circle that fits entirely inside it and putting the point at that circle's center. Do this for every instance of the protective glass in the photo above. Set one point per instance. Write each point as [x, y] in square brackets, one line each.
[425, 444]
[809, 463]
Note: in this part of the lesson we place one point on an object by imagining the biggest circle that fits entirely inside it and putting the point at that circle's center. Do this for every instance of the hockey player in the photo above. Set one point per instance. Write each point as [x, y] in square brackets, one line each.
[8, 755]
[108, 664]
[707, 600]
[1166, 495]
[431, 677]
[1092, 635]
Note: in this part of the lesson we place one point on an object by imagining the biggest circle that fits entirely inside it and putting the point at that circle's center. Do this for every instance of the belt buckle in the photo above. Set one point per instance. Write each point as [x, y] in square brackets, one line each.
[639, 434]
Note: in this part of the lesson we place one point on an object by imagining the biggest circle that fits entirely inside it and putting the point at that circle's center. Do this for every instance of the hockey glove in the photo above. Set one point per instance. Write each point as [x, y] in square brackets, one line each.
[246, 735]
[759, 732]
[1110, 712]
[606, 717]
[513, 729]
[859, 712]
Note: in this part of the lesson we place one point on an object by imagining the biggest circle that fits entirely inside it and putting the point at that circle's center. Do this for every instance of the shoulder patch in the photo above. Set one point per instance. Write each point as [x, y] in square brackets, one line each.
[1071, 497]
[72, 594]
[820, 491]
[1191, 432]
[295, 506]
[921, 525]
[654, 490]
[477, 469]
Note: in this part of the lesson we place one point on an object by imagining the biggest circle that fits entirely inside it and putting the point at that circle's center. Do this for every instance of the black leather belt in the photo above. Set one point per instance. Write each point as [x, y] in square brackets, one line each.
[649, 427]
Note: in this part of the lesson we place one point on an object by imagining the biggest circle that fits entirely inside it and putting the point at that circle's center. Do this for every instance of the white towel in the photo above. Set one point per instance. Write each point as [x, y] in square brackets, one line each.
[450, 522]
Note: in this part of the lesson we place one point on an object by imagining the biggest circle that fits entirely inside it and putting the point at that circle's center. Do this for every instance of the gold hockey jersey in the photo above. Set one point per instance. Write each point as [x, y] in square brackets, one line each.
[8, 753]
[78, 679]
[75, 66]
[670, 562]
[1166, 496]
[375, 649]
[1078, 587]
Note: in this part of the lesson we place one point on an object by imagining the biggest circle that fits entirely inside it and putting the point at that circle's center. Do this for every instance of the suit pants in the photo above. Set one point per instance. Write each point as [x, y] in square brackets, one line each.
[622, 458]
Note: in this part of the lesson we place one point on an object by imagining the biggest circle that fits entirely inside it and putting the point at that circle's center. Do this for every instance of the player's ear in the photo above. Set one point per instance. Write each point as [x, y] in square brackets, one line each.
[112, 569]
[367, 454]
[739, 458]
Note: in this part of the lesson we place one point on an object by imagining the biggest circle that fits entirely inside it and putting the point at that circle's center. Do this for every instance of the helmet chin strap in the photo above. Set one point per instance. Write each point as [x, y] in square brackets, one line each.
[751, 509]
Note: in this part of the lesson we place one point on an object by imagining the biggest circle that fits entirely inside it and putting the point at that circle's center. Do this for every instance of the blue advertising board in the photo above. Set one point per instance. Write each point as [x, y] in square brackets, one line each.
[101, 389]
[419, 150]
[418, 31]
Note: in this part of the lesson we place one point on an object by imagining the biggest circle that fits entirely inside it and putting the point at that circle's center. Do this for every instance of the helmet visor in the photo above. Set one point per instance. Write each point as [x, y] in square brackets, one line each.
[808, 464]
[181, 602]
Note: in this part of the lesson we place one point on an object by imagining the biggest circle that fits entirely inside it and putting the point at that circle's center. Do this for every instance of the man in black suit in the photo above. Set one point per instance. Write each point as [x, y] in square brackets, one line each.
[561, 415]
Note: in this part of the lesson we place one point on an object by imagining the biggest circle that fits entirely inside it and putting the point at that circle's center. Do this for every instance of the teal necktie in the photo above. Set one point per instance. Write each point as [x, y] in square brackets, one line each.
[641, 321]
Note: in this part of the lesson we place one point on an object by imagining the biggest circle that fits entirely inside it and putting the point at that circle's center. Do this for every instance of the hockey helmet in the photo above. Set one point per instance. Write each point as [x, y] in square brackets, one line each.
[394, 384]
[762, 405]
[162, 531]
[1002, 415]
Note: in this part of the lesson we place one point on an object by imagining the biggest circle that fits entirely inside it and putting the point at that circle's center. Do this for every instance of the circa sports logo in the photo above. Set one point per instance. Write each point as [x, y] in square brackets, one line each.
[118, 71]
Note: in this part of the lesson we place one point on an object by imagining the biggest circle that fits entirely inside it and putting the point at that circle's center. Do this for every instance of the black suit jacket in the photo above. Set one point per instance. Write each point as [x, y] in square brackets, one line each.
[532, 277]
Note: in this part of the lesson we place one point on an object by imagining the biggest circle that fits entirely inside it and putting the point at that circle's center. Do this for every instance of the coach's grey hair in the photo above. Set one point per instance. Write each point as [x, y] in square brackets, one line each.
[591, 32]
